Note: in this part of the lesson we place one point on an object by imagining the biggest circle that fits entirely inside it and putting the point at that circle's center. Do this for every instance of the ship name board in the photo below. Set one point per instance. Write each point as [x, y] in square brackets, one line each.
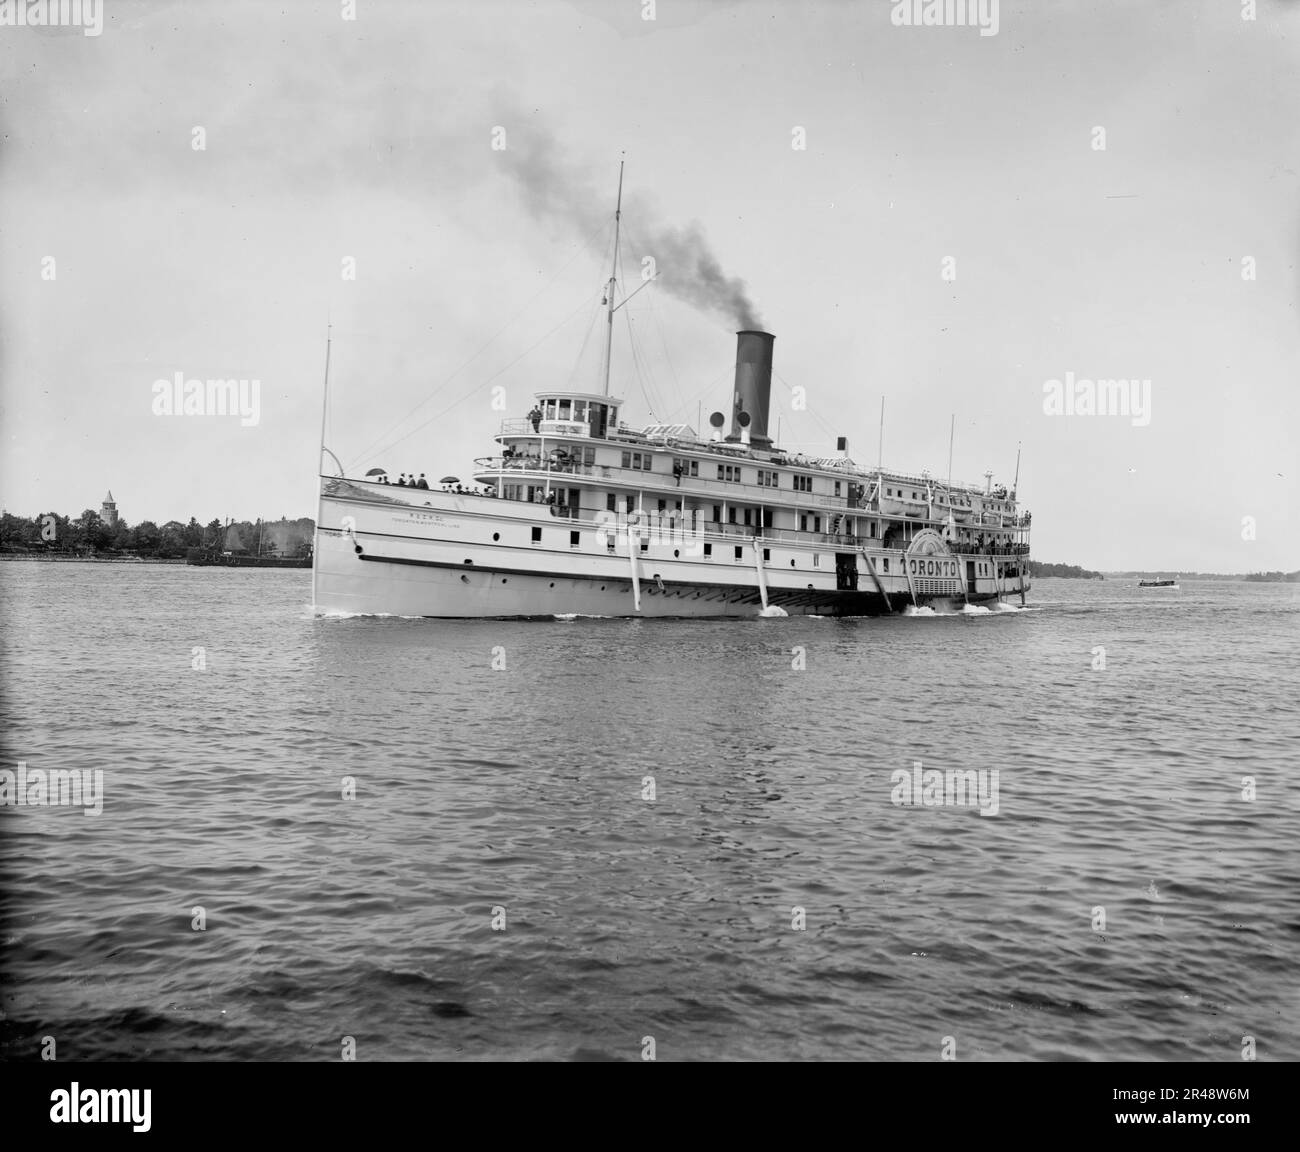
[928, 566]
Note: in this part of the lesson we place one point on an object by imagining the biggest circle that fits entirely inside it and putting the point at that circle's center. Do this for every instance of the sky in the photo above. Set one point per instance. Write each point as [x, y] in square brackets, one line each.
[921, 213]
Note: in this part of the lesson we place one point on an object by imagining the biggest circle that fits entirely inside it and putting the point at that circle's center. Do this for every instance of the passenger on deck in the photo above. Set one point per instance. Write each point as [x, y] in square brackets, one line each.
[536, 417]
[422, 482]
[401, 483]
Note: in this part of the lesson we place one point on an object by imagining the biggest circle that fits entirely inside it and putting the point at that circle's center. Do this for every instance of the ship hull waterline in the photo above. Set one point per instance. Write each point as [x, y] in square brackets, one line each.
[386, 562]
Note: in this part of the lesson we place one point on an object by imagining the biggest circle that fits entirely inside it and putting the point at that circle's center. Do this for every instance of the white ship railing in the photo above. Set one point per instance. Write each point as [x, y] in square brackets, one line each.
[520, 469]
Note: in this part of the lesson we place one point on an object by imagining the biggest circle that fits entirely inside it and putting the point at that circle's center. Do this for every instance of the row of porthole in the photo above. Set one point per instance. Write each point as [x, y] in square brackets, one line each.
[504, 579]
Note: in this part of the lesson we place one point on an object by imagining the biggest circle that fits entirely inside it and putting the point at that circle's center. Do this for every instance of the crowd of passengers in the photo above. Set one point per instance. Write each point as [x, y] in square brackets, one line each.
[421, 482]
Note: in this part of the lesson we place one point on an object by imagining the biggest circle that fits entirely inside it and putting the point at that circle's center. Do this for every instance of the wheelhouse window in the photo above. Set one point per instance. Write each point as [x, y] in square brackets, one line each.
[683, 467]
[640, 461]
[566, 408]
[729, 473]
[768, 479]
[802, 483]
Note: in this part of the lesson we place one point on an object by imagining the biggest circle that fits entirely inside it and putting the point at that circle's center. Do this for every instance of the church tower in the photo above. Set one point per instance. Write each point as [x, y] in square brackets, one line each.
[108, 513]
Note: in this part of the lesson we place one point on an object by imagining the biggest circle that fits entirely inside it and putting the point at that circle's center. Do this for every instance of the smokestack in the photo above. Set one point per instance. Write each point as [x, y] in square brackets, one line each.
[753, 391]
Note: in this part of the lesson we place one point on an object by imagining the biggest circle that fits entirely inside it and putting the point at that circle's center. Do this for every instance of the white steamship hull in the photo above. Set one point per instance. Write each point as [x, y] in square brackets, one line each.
[432, 553]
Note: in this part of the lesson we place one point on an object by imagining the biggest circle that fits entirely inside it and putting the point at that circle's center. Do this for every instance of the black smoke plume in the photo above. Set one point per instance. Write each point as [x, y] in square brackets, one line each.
[556, 190]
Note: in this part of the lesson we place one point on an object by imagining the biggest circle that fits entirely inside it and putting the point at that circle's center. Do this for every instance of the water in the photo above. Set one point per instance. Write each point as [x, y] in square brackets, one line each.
[522, 789]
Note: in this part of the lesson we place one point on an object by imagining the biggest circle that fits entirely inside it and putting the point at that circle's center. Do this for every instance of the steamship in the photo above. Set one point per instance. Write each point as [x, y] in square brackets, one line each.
[581, 514]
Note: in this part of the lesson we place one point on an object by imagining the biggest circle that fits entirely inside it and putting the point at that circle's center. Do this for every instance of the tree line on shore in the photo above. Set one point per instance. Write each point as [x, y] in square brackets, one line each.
[1069, 571]
[89, 535]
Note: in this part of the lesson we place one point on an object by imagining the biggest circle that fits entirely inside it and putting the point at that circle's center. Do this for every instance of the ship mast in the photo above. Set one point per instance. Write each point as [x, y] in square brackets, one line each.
[324, 414]
[613, 274]
[952, 430]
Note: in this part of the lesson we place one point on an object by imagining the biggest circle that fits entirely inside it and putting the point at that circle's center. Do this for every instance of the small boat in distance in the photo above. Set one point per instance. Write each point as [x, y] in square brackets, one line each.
[1158, 583]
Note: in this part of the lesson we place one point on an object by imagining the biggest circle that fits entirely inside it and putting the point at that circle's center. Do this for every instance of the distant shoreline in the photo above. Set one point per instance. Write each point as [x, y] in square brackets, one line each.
[88, 559]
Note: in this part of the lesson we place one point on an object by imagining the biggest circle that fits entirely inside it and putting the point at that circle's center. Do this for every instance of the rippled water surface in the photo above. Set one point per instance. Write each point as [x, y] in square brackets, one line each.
[502, 769]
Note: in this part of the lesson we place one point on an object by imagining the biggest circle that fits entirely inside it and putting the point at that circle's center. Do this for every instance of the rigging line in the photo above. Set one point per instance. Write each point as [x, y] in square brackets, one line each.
[455, 404]
[663, 340]
[586, 340]
[641, 367]
[684, 406]
[578, 251]
[816, 415]
[574, 378]
[641, 363]
[640, 375]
